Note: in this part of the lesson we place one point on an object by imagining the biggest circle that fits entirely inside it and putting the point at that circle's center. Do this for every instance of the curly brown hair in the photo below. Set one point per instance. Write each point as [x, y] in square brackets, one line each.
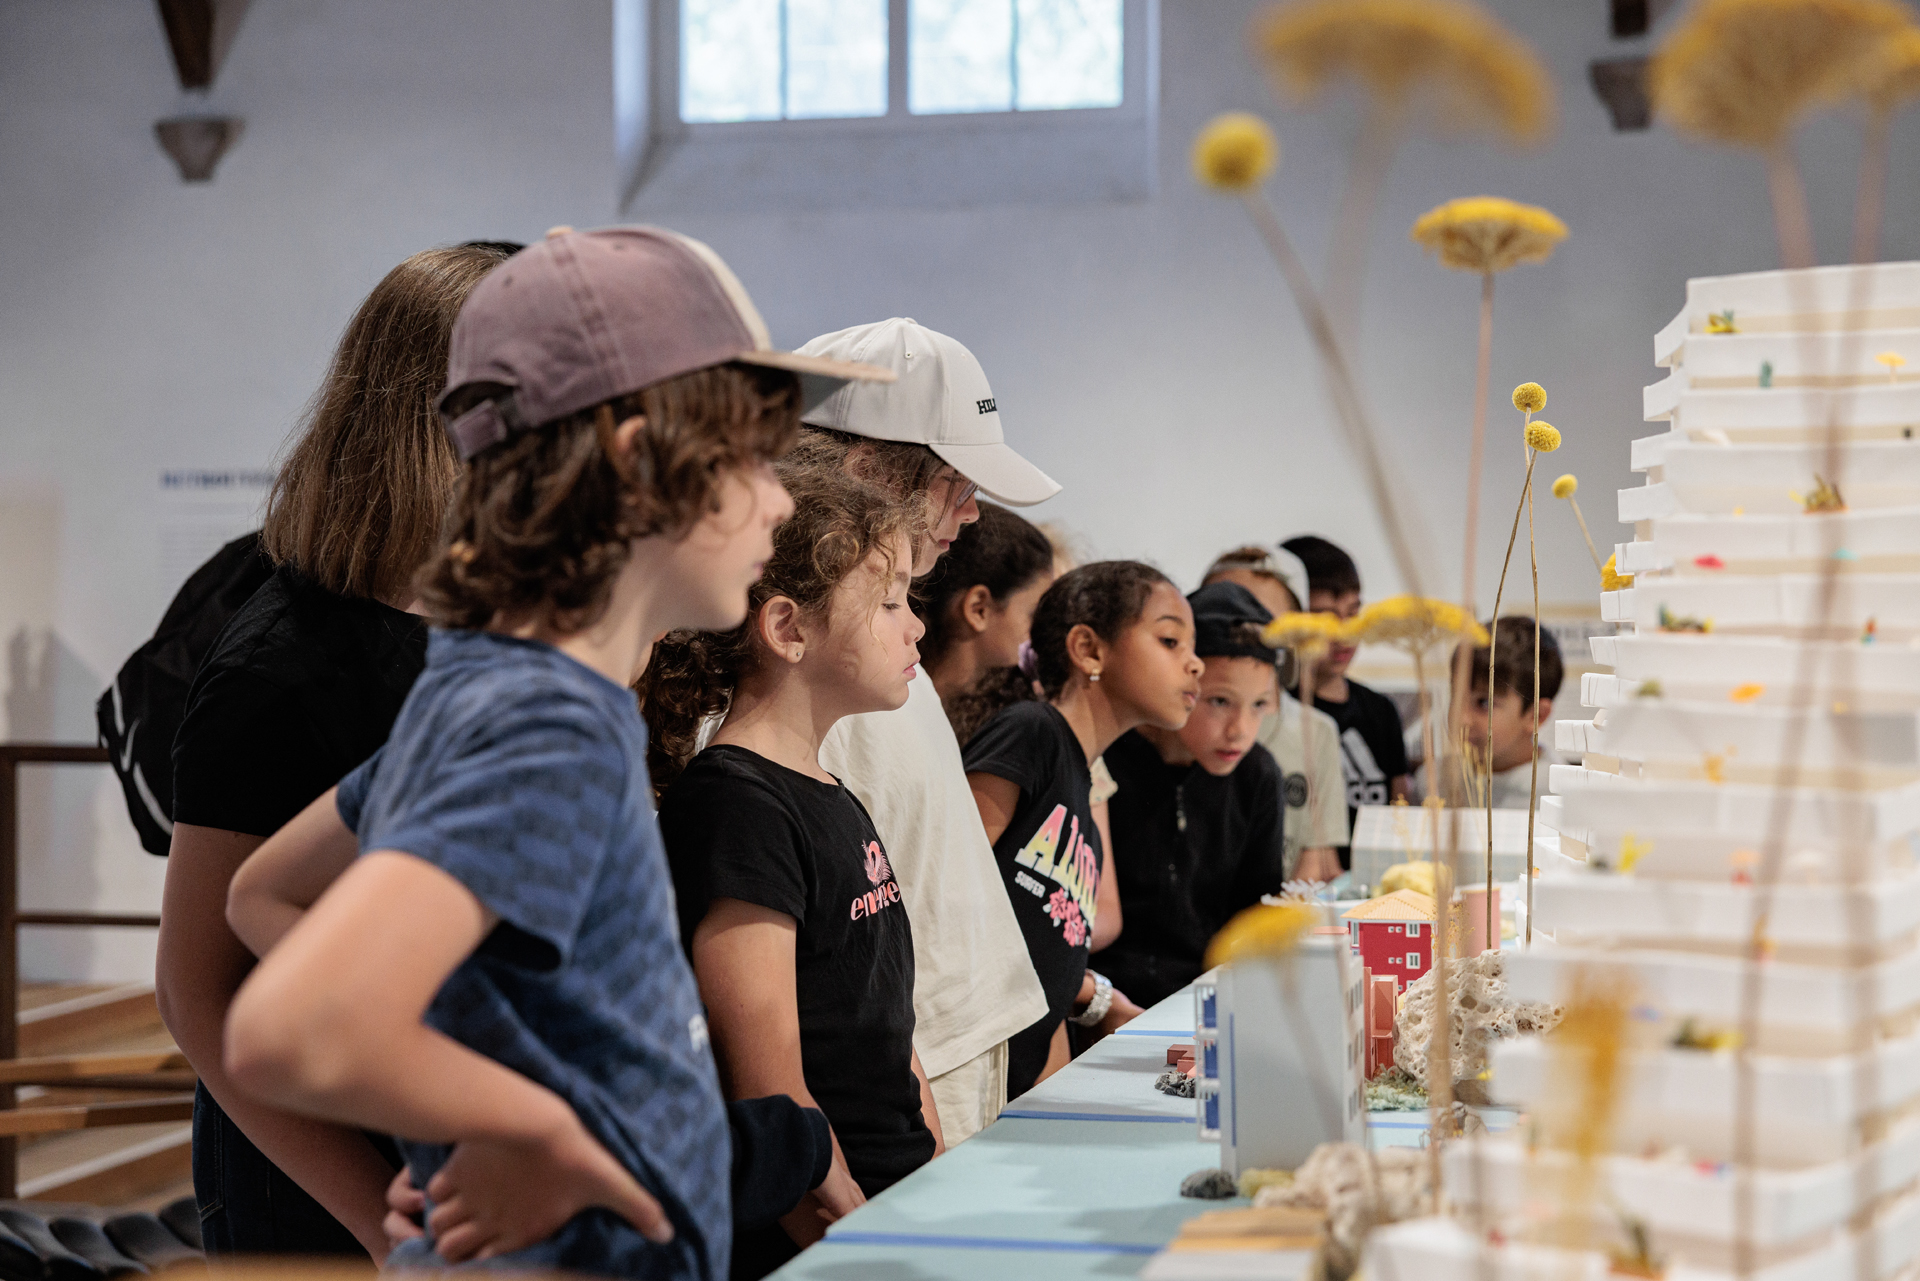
[543, 522]
[904, 469]
[838, 521]
[359, 497]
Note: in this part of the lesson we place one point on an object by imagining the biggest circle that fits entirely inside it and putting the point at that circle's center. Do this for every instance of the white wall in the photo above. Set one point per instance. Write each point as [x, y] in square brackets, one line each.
[1145, 354]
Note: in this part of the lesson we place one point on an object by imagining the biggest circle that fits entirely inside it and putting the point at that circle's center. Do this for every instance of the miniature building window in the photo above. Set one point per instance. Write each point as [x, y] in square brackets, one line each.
[1413, 931]
[1393, 929]
[1413, 960]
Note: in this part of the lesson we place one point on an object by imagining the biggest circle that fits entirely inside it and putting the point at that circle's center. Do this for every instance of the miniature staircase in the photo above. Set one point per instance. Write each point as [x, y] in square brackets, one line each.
[135, 1166]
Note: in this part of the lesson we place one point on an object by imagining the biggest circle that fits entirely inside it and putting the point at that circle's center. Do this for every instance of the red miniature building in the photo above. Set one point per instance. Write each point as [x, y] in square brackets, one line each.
[1382, 996]
[1394, 935]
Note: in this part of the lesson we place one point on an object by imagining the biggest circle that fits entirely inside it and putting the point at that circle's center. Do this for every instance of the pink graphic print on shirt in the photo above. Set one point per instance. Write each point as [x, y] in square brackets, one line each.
[1073, 866]
[885, 892]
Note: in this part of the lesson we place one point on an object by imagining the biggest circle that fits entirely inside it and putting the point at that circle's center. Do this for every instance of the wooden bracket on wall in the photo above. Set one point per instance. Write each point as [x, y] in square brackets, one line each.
[196, 143]
[199, 34]
[1621, 84]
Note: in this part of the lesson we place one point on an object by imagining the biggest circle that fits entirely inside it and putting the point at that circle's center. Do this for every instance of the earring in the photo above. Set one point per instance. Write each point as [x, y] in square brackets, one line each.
[1094, 676]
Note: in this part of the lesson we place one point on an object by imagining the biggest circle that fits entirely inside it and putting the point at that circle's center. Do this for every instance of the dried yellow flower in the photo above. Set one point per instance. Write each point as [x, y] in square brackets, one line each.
[1743, 71]
[1266, 929]
[1416, 623]
[1306, 633]
[1544, 437]
[1612, 581]
[1529, 398]
[1566, 486]
[1475, 72]
[1892, 75]
[1236, 151]
[1488, 233]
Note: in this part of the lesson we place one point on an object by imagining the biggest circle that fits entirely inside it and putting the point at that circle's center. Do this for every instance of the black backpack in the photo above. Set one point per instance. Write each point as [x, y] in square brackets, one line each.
[144, 706]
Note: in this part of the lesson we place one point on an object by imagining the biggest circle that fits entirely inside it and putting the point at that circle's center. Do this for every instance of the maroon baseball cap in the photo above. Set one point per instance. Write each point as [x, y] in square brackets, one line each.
[585, 316]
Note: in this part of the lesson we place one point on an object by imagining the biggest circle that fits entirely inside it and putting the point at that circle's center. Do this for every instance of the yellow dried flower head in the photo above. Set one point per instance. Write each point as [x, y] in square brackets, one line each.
[1529, 398]
[1236, 151]
[1566, 486]
[1475, 72]
[1743, 71]
[1416, 623]
[1892, 75]
[1304, 633]
[1488, 233]
[1544, 437]
[1266, 929]
[1611, 580]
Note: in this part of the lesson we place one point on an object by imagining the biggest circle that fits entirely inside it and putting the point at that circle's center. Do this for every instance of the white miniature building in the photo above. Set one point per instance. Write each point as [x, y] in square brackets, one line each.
[1282, 1048]
[1669, 828]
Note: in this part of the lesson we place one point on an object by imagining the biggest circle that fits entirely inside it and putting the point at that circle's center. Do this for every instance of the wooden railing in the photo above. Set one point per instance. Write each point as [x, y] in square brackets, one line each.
[164, 1072]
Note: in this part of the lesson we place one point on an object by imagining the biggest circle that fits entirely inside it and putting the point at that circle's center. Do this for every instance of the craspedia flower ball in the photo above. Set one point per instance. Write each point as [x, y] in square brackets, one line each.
[1544, 437]
[1235, 152]
[1529, 398]
[1566, 486]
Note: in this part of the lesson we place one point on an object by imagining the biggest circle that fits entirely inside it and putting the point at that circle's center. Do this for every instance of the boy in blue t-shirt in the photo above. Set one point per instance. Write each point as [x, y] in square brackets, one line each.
[470, 943]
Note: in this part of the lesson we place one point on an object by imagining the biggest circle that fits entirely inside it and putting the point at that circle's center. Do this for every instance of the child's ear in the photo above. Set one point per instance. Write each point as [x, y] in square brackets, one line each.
[778, 625]
[1086, 652]
[976, 607]
[627, 432]
[1541, 710]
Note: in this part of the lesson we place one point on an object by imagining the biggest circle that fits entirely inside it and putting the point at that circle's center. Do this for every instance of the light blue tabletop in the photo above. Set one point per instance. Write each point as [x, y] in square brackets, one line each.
[1080, 1177]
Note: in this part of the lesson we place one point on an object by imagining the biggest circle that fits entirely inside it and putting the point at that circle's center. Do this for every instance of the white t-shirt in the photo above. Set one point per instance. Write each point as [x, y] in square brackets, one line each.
[1308, 751]
[973, 984]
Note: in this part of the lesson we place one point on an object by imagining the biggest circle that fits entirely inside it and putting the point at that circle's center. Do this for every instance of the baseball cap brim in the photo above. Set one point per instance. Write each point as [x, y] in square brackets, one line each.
[1001, 474]
[819, 376]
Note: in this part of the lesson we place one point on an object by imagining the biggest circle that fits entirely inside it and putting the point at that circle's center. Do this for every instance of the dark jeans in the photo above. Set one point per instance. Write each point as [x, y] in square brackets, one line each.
[247, 1206]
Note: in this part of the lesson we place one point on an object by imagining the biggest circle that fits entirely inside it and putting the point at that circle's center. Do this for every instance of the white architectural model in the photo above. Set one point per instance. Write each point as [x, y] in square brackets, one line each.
[1772, 633]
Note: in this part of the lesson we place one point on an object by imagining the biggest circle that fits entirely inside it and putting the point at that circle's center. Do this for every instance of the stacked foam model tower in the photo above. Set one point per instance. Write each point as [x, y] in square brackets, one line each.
[1736, 853]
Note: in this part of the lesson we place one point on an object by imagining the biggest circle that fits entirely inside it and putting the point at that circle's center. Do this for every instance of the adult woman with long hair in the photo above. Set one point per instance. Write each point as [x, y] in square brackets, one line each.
[302, 686]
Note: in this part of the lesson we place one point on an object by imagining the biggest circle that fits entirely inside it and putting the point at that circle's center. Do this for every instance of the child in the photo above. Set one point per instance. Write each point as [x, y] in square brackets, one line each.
[302, 685]
[1304, 740]
[926, 440]
[978, 602]
[1112, 649]
[1197, 815]
[1516, 717]
[497, 975]
[1373, 752]
[807, 996]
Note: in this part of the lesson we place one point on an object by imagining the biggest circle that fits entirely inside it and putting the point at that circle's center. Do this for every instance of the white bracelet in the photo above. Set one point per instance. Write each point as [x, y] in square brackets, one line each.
[1102, 1001]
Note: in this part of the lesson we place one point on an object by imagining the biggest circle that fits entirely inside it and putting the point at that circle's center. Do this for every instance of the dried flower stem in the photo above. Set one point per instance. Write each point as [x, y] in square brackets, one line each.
[1366, 175]
[1790, 217]
[1592, 551]
[1533, 742]
[1870, 202]
[1493, 625]
[1469, 560]
[1346, 398]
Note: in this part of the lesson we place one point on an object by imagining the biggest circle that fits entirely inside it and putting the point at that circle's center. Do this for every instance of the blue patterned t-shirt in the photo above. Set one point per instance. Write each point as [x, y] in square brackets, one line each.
[522, 774]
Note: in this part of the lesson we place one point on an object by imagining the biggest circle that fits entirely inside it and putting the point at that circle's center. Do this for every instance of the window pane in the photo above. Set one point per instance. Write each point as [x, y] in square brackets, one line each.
[836, 58]
[729, 60]
[960, 55]
[1070, 53]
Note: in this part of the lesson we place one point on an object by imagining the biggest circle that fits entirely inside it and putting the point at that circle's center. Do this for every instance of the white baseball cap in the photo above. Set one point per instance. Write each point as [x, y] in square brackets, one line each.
[940, 399]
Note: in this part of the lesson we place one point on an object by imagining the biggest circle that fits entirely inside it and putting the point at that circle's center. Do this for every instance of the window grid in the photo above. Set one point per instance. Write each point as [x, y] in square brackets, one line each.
[698, 103]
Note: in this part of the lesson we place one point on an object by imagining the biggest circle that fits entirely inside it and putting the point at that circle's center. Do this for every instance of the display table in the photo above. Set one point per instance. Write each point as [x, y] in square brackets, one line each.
[1080, 1177]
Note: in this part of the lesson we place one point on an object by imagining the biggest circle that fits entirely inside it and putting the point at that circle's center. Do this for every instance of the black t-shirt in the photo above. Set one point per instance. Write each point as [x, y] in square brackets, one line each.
[739, 826]
[301, 687]
[1373, 750]
[1049, 858]
[1189, 850]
